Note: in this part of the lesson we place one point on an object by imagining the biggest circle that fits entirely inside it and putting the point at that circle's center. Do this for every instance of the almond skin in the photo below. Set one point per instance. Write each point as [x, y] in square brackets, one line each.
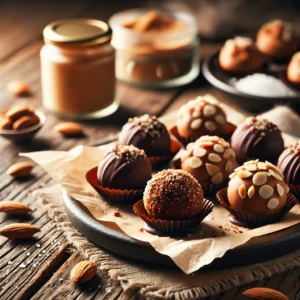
[17, 112]
[19, 231]
[70, 129]
[14, 208]
[21, 169]
[262, 293]
[83, 271]
[6, 123]
[26, 122]
[18, 88]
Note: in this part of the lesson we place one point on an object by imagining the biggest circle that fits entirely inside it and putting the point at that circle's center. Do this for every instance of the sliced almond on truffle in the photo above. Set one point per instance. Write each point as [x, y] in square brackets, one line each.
[228, 153]
[218, 148]
[196, 114]
[259, 178]
[280, 189]
[244, 174]
[266, 191]
[273, 203]
[262, 166]
[206, 144]
[217, 179]
[229, 167]
[196, 124]
[251, 191]
[275, 175]
[212, 169]
[209, 110]
[214, 157]
[195, 162]
[251, 167]
[210, 126]
[220, 119]
[251, 162]
[242, 191]
[199, 152]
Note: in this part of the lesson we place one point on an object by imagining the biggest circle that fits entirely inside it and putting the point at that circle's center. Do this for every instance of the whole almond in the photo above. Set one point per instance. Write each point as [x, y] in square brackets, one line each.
[83, 271]
[26, 122]
[16, 112]
[18, 88]
[5, 123]
[19, 231]
[14, 208]
[70, 129]
[21, 169]
[262, 293]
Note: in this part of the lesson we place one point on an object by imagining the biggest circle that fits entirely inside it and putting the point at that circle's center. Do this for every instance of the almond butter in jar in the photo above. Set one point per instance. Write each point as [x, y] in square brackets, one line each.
[78, 69]
[155, 49]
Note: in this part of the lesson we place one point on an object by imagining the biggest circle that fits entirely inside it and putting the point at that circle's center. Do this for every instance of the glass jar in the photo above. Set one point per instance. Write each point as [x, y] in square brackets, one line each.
[78, 69]
[166, 58]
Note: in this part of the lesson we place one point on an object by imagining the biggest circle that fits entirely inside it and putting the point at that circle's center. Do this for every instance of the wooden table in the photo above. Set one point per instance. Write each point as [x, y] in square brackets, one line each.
[48, 277]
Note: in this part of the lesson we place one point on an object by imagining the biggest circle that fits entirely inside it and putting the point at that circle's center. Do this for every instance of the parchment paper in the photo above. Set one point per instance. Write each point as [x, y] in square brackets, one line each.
[191, 253]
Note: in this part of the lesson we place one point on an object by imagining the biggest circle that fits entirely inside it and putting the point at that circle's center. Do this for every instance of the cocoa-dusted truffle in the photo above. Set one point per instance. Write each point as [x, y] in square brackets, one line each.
[202, 116]
[289, 163]
[147, 133]
[210, 160]
[257, 187]
[257, 138]
[293, 69]
[276, 39]
[124, 167]
[173, 195]
[240, 56]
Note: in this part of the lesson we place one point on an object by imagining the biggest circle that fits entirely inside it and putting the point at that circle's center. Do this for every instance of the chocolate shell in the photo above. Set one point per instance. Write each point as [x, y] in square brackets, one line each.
[124, 167]
[289, 163]
[257, 138]
[147, 133]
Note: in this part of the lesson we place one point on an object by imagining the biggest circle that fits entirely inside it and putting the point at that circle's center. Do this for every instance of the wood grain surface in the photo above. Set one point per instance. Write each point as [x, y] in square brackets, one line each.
[39, 268]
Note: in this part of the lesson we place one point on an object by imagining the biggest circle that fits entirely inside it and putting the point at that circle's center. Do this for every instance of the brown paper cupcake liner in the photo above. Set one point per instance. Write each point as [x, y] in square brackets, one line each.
[113, 195]
[172, 227]
[252, 220]
[159, 161]
[174, 131]
[295, 190]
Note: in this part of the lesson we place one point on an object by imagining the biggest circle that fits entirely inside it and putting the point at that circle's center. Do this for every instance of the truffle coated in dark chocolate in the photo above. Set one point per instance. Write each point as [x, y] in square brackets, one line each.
[257, 138]
[147, 133]
[257, 187]
[202, 116]
[289, 163]
[173, 195]
[124, 167]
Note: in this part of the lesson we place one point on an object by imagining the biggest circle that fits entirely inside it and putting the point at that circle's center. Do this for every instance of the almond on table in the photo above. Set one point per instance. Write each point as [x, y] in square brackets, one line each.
[19, 231]
[83, 271]
[21, 169]
[70, 129]
[14, 208]
[19, 88]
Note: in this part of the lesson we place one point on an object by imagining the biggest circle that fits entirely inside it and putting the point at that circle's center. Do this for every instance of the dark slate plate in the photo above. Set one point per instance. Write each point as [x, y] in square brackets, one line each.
[222, 80]
[256, 250]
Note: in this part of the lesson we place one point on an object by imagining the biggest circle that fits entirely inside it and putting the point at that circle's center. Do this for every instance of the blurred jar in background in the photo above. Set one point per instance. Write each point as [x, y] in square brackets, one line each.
[78, 69]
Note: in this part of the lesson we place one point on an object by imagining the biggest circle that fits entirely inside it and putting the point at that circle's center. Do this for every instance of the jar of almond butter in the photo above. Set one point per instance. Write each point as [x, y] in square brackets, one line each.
[78, 69]
[155, 49]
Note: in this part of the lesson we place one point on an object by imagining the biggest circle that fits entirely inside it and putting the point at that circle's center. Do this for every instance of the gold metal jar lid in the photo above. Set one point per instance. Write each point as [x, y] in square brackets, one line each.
[77, 32]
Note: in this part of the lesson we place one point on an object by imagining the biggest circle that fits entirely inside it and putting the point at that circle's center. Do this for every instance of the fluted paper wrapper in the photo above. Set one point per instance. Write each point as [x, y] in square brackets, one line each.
[191, 253]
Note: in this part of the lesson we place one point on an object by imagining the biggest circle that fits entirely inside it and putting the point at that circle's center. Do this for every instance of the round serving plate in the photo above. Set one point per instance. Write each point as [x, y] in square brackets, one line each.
[256, 250]
[223, 81]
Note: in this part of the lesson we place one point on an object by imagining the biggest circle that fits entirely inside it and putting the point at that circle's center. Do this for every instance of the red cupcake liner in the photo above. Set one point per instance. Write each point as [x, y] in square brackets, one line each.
[253, 220]
[159, 161]
[209, 189]
[172, 227]
[112, 195]
[174, 131]
[295, 190]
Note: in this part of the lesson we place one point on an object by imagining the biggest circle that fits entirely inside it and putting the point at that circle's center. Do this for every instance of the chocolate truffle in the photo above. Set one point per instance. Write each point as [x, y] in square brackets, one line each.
[147, 133]
[276, 39]
[202, 116]
[240, 56]
[289, 163]
[257, 138]
[124, 167]
[173, 195]
[210, 160]
[257, 187]
[293, 69]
